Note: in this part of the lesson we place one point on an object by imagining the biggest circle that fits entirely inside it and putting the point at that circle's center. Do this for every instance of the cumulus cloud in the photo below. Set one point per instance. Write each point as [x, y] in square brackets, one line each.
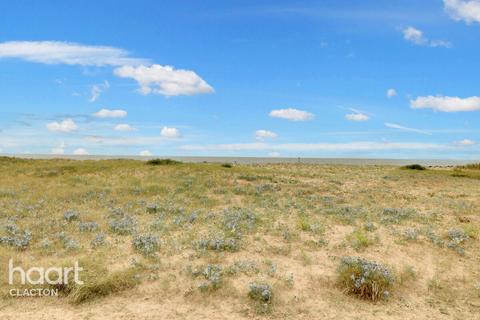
[292, 114]
[106, 113]
[446, 104]
[265, 134]
[460, 10]
[357, 116]
[145, 153]
[56, 52]
[66, 125]
[124, 127]
[165, 80]
[80, 152]
[391, 93]
[403, 128]
[170, 133]
[465, 142]
[417, 37]
[97, 90]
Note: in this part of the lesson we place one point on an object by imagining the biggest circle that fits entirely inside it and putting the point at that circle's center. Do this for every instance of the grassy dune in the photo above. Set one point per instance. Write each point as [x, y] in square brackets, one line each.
[206, 241]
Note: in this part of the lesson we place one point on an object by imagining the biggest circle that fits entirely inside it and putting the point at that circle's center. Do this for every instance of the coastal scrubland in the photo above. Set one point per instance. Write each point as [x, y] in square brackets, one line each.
[169, 240]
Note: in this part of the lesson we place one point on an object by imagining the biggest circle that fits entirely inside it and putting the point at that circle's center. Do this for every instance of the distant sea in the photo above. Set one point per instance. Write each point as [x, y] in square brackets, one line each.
[261, 160]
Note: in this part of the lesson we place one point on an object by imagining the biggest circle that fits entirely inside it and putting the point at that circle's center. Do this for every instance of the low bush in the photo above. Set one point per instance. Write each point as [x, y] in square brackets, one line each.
[414, 167]
[366, 279]
[146, 244]
[162, 162]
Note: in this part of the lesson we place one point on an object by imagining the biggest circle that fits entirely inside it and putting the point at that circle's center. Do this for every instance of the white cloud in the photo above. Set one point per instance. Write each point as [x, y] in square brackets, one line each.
[468, 11]
[414, 35]
[57, 151]
[265, 134]
[403, 128]
[357, 116]
[165, 80]
[124, 127]
[80, 152]
[56, 52]
[145, 153]
[292, 114]
[446, 104]
[274, 154]
[66, 125]
[106, 113]
[391, 93]
[417, 37]
[465, 142]
[334, 147]
[170, 133]
[97, 90]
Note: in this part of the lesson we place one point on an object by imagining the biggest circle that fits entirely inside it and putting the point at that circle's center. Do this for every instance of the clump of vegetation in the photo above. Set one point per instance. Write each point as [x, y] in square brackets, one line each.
[162, 162]
[457, 237]
[153, 208]
[471, 166]
[88, 226]
[243, 266]
[360, 240]
[103, 286]
[71, 215]
[213, 275]
[15, 237]
[99, 240]
[366, 279]
[396, 215]
[261, 292]
[347, 214]
[146, 244]
[123, 226]
[218, 242]
[411, 234]
[227, 165]
[414, 167]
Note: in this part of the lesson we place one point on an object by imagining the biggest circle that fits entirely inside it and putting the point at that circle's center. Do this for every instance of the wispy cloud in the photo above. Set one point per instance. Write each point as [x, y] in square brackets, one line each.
[311, 147]
[403, 128]
[56, 52]
[97, 90]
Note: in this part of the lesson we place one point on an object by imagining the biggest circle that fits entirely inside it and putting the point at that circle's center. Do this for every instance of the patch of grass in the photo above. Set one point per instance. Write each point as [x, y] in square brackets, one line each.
[162, 162]
[227, 165]
[359, 240]
[114, 282]
[365, 279]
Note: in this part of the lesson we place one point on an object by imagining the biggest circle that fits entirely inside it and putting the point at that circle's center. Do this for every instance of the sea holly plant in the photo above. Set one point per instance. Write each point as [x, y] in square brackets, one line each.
[366, 279]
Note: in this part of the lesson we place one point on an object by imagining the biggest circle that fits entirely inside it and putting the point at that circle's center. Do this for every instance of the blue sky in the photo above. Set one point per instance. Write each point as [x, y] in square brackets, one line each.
[372, 78]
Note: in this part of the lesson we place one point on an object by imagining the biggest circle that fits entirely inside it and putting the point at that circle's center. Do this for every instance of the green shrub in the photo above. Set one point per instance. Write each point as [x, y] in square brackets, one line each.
[366, 279]
[414, 167]
[227, 165]
[162, 162]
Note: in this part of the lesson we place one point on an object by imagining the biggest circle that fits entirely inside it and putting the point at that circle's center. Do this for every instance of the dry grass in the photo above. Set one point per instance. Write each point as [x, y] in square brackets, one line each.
[187, 240]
